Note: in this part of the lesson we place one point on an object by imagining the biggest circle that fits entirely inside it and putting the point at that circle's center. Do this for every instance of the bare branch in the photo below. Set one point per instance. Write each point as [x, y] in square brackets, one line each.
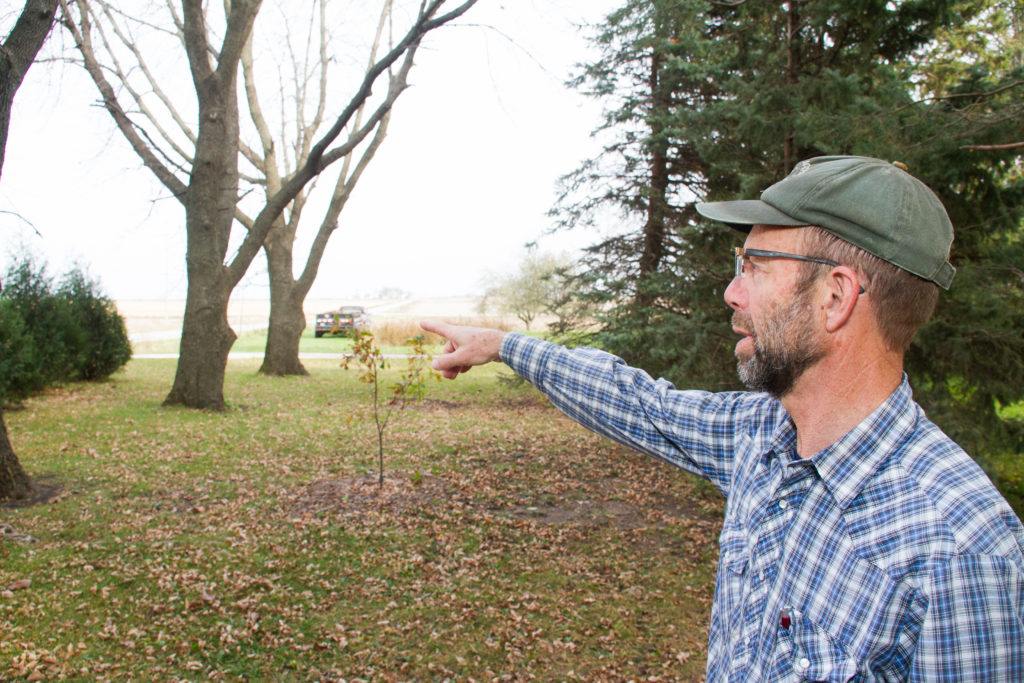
[240, 20]
[423, 25]
[1008, 145]
[132, 45]
[113, 9]
[385, 15]
[321, 108]
[342, 192]
[196, 44]
[266, 163]
[82, 36]
[318, 159]
[179, 23]
[345, 183]
[396, 86]
[24, 220]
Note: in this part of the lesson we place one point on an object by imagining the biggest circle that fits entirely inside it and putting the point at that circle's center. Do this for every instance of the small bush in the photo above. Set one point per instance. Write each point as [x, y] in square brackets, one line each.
[46, 319]
[100, 343]
[49, 336]
[19, 366]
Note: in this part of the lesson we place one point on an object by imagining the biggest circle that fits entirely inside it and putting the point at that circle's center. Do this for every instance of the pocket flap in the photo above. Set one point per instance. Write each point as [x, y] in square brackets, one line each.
[816, 656]
[732, 547]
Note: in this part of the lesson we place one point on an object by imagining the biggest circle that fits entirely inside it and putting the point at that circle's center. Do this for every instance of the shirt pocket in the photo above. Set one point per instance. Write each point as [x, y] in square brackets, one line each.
[733, 559]
[732, 549]
[805, 652]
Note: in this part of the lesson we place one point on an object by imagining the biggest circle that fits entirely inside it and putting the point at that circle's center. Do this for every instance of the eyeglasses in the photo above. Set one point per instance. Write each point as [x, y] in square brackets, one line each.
[742, 253]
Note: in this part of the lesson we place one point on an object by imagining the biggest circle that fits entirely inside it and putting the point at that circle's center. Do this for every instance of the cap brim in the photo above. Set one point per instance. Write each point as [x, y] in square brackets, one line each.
[741, 214]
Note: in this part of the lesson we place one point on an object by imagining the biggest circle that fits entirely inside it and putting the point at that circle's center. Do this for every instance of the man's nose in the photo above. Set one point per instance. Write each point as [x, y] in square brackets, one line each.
[735, 294]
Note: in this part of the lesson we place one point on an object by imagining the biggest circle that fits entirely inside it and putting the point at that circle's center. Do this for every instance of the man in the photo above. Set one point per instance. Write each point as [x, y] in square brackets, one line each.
[859, 542]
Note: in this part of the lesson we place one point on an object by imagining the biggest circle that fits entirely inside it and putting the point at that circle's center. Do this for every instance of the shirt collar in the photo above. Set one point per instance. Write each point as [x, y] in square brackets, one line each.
[847, 465]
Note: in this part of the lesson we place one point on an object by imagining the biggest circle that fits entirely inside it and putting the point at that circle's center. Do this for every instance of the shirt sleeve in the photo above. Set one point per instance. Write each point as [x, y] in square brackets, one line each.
[694, 430]
[973, 628]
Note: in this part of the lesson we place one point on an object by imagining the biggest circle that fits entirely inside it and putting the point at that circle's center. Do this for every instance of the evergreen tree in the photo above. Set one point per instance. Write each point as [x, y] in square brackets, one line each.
[733, 95]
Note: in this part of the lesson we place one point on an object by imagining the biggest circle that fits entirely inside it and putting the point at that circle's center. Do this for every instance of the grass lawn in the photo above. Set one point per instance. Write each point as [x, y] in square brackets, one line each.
[255, 545]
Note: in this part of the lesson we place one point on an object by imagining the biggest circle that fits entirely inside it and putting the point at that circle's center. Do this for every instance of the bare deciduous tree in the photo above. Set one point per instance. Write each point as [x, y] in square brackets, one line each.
[17, 53]
[201, 167]
[536, 287]
[287, 293]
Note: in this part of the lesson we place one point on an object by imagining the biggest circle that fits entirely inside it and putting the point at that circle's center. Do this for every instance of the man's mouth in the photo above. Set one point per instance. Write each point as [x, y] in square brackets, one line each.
[746, 343]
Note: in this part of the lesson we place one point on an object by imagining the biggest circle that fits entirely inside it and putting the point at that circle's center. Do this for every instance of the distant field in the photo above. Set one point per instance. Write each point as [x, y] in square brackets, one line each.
[155, 325]
[144, 316]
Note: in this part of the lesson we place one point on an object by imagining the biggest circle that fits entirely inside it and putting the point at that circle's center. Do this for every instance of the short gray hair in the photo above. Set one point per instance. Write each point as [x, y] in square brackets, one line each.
[903, 302]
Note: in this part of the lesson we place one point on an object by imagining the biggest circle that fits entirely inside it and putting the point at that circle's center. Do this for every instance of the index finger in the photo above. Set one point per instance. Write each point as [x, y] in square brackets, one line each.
[437, 327]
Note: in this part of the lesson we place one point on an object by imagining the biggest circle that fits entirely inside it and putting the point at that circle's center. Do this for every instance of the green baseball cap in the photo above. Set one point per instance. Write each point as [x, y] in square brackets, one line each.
[873, 204]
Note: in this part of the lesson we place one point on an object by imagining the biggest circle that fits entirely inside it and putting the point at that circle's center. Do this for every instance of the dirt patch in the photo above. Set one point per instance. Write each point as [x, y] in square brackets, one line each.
[44, 490]
[433, 404]
[400, 491]
[593, 513]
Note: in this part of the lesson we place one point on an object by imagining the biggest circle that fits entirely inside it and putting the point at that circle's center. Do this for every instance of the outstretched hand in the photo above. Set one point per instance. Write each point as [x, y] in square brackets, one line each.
[466, 347]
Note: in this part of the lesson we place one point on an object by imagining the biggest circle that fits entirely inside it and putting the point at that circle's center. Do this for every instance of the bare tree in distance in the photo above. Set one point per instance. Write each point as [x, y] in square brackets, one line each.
[287, 293]
[17, 53]
[536, 287]
[201, 167]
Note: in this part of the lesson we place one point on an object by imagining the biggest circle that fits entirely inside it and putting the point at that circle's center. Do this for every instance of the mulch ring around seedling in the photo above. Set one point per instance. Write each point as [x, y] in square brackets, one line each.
[400, 491]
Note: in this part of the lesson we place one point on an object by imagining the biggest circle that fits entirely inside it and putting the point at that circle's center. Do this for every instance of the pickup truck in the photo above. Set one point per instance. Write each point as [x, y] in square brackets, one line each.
[342, 321]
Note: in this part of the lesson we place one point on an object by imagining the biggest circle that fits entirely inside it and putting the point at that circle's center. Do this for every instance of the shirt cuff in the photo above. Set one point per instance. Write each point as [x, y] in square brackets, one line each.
[525, 355]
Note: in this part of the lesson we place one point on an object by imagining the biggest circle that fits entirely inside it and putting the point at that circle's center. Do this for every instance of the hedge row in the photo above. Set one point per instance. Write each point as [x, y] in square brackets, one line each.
[51, 334]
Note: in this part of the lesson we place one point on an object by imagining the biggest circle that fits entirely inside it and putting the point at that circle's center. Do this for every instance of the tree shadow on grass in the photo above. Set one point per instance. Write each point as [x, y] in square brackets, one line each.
[45, 489]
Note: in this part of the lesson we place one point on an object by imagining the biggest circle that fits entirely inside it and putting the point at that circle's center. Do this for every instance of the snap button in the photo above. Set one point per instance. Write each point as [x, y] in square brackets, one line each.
[804, 663]
[783, 504]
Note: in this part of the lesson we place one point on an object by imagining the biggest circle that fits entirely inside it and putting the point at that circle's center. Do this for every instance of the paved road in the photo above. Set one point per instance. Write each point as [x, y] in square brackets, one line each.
[161, 335]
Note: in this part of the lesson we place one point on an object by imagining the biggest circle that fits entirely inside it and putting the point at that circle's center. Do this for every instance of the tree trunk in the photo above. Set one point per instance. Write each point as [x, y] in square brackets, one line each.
[206, 336]
[657, 199]
[14, 483]
[792, 68]
[287, 320]
[17, 54]
[206, 339]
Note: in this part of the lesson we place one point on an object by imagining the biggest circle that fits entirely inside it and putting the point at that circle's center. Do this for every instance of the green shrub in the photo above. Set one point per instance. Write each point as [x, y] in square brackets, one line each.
[19, 368]
[29, 291]
[53, 336]
[98, 343]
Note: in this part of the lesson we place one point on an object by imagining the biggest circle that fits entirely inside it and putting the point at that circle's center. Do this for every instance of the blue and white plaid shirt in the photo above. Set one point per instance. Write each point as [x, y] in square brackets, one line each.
[887, 556]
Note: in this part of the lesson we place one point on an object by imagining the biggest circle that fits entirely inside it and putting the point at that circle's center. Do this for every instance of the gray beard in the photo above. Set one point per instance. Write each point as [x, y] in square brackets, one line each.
[784, 349]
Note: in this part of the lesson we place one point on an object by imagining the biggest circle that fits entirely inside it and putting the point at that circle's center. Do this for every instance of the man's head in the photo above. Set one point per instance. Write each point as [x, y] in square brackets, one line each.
[872, 204]
[856, 218]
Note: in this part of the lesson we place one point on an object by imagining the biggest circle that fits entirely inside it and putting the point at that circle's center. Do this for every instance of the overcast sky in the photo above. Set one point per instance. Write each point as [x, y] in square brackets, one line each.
[462, 182]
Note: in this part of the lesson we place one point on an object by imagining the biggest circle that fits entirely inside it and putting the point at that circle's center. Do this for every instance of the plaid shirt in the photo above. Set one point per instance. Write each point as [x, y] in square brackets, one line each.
[887, 556]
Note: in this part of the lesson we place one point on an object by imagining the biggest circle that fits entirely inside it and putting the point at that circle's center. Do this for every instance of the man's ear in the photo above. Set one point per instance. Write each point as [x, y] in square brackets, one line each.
[842, 289]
